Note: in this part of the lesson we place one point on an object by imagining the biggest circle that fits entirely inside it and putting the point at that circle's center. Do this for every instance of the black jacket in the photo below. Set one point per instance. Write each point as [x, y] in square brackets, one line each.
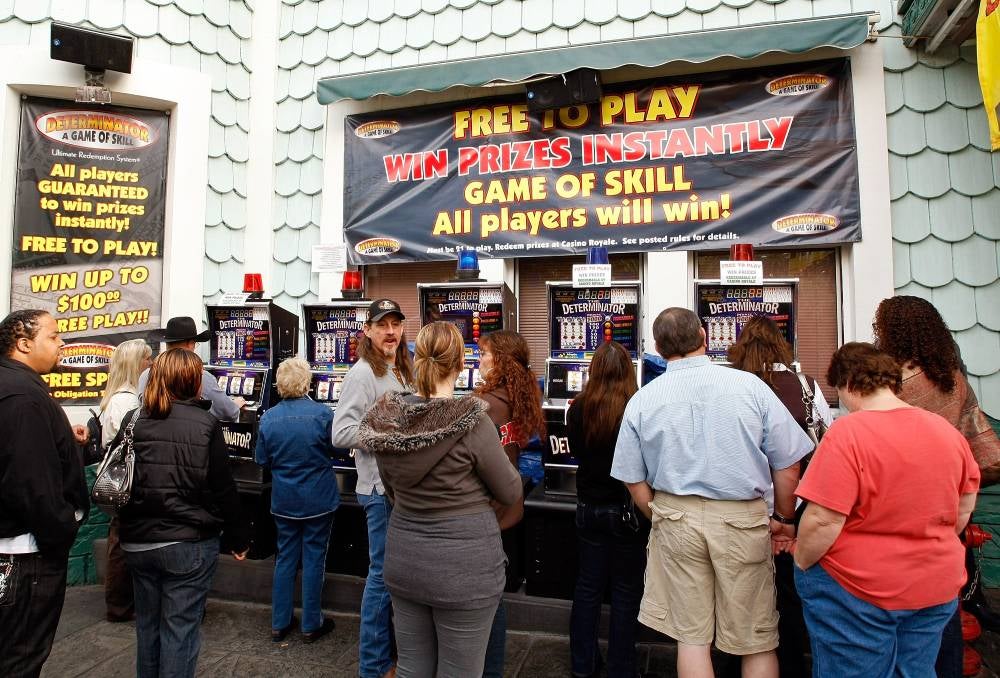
[41, 472]
[183, 489]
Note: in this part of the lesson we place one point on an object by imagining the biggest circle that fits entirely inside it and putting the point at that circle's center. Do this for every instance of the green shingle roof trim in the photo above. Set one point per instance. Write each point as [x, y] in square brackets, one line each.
[745, 42]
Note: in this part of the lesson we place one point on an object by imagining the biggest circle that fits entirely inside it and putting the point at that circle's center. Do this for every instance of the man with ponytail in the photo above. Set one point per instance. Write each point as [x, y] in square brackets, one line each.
[383, 365]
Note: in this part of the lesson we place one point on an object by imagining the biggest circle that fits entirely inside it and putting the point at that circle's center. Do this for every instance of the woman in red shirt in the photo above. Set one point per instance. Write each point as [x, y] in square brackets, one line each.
[879, 561]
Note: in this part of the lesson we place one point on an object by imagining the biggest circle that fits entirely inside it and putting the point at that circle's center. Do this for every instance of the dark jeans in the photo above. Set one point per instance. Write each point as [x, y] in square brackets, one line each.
[118, 596]
[300, 541]
[610, 553]
[31, 600]
[171, 586]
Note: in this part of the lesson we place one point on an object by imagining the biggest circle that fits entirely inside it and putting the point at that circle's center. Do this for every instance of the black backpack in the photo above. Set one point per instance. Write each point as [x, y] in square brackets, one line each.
[93, 451]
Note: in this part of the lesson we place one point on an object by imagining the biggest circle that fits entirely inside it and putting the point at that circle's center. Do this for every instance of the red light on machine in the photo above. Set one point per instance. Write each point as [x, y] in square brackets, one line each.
[352, 285]
[253, 285]
[741, 252]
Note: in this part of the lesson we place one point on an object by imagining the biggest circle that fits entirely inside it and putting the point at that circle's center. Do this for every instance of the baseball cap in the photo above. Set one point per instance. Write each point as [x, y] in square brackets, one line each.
[380, 308]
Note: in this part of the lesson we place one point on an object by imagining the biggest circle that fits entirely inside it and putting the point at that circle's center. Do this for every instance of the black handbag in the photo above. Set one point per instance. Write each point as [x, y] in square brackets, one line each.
[815, 428]
[113, 486]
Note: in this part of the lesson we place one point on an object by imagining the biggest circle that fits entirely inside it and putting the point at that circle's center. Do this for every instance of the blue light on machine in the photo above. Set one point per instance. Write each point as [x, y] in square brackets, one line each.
[597, 255]
[468, 260]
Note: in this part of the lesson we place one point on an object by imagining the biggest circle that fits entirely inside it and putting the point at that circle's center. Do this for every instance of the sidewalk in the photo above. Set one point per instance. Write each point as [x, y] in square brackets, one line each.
[236, 642]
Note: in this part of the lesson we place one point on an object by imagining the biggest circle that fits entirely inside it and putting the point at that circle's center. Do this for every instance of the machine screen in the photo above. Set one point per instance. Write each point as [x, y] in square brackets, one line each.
[243, 383]
[582, 319]
[566, 379]
[241, 337]
[332, 336]
[474, 311]
[724, 309]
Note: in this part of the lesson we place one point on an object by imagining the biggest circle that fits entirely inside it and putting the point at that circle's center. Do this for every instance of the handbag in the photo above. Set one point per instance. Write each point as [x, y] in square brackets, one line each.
[815, 428]
[113, 485]
[93, 452]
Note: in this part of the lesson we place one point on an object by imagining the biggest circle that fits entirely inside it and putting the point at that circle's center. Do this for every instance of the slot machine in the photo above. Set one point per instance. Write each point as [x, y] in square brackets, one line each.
[332, 332]
[476, 309]
[724, 309]
[247, 344]
[580, 320]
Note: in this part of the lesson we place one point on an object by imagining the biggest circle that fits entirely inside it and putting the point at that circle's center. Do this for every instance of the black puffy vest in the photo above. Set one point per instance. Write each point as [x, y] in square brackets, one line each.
[171, 498]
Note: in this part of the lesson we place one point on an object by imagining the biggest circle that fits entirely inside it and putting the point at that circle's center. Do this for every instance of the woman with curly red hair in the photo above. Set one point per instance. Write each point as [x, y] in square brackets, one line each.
[510, 388]
[912, 331]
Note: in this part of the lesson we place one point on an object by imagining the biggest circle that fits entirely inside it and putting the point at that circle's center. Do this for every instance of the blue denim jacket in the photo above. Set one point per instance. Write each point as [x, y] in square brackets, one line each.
[294, 441]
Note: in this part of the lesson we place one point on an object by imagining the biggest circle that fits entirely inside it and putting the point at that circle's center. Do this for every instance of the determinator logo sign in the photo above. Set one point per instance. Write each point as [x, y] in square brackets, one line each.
[988, 57]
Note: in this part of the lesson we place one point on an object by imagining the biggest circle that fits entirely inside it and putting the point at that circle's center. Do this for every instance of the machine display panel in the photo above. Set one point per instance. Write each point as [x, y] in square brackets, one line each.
[566, 379]
[474, 311]
[241, 337]
[582, 319]
[333, 335]
[724, 309]
[246, 384]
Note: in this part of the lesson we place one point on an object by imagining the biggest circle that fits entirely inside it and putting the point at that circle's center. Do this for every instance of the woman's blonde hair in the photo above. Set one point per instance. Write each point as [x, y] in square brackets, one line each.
[125, 367]
[293, 378]
[439, 353]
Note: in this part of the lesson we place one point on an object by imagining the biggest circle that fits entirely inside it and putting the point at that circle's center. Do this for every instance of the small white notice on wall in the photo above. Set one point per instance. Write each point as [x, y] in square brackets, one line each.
[741, 272]
[329, 258]
[591, 275]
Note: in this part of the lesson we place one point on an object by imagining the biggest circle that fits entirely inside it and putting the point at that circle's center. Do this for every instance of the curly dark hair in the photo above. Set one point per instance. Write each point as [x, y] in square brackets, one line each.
[863, 369]
[19, 325]
[512, 369]
[911, 330]
[759, 347]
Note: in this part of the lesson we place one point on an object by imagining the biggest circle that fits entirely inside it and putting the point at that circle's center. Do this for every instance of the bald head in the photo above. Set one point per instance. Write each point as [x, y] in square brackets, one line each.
[678, 332]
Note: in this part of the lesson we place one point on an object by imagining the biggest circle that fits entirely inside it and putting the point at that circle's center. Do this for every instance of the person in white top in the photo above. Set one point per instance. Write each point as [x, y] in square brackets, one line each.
[121, 396]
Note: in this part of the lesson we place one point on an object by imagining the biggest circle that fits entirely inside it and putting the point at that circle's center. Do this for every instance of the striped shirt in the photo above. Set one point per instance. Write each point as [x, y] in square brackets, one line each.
[706, 430]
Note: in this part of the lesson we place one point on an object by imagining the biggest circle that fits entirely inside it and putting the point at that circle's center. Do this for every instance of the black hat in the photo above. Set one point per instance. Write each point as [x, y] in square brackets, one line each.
[380, 308]
[181, 329]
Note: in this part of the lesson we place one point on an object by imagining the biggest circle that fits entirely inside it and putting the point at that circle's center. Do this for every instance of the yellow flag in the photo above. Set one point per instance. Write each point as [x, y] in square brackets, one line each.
[988, 56]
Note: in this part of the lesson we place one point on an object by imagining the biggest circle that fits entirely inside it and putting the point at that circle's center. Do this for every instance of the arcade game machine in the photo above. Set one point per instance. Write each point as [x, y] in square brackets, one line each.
[580, 320]
[476, 308]
[248, 342]
[333, 331]
[724, 309]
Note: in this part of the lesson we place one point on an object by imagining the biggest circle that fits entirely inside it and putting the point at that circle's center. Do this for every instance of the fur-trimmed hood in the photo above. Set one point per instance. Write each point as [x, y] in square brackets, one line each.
[413, 434]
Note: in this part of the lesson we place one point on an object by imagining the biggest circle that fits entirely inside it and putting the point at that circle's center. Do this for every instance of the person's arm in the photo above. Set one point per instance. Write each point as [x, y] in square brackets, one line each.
[31, 476]
[785, 481]
[818, 530]
[224, 494]
[492, 465]
[261, 455]
[356, 397]
[642, 496]
[223, 407]
[966, 504]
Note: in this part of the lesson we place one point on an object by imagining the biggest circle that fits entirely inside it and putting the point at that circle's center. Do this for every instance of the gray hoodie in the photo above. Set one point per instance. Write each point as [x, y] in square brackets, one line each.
[438, 456]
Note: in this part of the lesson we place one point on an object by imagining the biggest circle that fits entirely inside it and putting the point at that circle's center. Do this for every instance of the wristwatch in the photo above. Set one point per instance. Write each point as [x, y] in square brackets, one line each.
[777, 517]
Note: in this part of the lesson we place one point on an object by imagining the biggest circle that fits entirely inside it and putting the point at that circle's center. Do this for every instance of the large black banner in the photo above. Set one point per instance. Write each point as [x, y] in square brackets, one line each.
[88, 231]
[765, 156]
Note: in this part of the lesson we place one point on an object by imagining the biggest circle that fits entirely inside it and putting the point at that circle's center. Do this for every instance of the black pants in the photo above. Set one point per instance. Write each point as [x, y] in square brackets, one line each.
[30, 604]
[118, 596]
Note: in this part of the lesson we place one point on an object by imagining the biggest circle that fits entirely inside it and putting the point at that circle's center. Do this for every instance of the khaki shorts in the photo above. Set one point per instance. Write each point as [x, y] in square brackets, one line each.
[710, 574]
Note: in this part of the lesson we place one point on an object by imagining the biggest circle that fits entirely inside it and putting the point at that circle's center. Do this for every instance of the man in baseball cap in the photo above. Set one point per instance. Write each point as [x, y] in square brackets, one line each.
[182, 332]
[383, 365]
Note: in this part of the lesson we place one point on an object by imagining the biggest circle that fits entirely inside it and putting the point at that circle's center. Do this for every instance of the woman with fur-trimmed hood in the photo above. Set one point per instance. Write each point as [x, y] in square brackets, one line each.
[441, 463]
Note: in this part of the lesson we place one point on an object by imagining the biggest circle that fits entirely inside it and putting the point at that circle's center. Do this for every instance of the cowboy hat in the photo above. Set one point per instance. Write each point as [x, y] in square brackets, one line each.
[182, 328]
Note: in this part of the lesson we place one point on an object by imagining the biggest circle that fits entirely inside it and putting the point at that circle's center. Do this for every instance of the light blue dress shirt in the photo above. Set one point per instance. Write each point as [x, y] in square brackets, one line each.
[707, 430]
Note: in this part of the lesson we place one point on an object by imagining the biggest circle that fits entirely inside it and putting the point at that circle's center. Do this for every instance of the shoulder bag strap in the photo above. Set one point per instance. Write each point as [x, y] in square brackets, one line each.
[807, 400]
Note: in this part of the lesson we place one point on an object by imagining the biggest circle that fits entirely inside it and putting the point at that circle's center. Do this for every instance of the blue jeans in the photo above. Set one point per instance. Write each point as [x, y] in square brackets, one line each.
[306, 541]
[851, 637]
[171, 585]
[375, 643]
[610, 553]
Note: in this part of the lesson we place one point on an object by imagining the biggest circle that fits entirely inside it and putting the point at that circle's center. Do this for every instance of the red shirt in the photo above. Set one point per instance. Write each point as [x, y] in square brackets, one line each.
[897, 476]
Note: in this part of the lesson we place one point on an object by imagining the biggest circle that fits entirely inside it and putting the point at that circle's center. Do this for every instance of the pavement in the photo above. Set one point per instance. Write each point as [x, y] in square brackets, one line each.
[236, 642]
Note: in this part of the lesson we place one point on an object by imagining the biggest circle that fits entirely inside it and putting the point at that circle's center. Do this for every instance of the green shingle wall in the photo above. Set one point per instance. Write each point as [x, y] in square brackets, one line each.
[82, 569]
[987, 516]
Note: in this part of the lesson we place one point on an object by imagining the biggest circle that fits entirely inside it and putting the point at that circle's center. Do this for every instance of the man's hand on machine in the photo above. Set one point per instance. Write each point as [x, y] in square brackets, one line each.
[240, 402]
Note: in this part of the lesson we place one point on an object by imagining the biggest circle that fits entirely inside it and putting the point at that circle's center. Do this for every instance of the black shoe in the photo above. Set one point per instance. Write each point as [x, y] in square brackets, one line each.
[987, 617]
[278, 635]
[313, 636]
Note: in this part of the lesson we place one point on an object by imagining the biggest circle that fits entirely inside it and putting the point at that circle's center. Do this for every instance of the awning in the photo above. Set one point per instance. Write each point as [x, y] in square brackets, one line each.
[745, 42]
